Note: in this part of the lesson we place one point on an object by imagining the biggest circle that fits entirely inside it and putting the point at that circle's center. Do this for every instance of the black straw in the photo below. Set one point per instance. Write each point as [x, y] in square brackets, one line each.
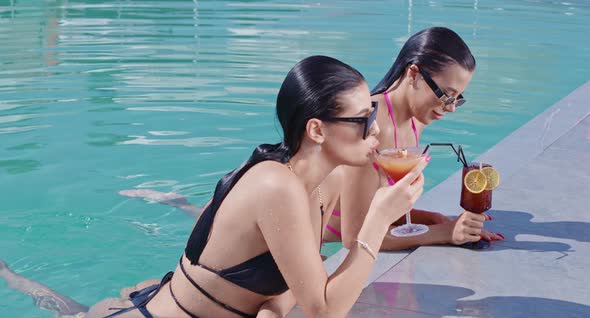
[459, 153]
[463, 156]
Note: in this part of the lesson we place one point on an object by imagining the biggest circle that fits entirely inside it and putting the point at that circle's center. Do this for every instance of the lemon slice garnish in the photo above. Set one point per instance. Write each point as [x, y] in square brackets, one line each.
[492, 176]
[475, 181]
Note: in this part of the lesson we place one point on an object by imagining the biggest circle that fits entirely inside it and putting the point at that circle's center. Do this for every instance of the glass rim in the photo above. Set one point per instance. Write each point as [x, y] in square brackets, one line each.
[413, 150]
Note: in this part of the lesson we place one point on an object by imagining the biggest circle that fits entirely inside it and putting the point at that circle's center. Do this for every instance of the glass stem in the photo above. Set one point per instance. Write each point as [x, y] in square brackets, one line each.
[409, 217]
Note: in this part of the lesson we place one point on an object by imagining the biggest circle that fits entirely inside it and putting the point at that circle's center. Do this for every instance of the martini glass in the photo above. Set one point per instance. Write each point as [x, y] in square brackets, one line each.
[397, 162]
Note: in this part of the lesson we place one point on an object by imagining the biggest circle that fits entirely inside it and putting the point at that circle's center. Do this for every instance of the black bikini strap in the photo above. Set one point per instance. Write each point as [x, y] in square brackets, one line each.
[201, 231]
[151, 291]
[206, 268]
[178, 304]
[215, 300]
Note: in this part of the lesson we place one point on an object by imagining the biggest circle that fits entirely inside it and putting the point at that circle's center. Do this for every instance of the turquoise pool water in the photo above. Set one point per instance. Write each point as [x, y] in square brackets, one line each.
[100, 96]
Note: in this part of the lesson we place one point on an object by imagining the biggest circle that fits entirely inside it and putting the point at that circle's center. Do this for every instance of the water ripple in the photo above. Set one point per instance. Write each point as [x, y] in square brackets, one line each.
[13, 130]
[187, 142]
[194, 110]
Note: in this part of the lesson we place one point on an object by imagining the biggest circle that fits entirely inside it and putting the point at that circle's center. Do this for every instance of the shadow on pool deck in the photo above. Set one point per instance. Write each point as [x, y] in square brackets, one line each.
[514, 223]
[443, 300]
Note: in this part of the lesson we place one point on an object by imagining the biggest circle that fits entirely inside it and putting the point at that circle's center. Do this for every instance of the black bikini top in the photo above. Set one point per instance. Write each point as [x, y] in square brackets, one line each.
[259, 274]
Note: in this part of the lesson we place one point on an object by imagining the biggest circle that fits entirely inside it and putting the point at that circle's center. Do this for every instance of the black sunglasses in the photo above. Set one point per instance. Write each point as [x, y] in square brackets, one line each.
[367, 121]
[447, 100]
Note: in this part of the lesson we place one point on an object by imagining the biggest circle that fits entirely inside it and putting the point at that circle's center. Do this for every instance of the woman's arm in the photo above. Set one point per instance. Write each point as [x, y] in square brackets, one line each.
[359, 186]
[425, 217]
[285, 222]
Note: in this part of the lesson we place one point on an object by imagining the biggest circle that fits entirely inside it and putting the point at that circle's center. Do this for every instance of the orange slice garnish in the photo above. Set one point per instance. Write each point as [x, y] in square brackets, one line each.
[475, 181]
[492, 177]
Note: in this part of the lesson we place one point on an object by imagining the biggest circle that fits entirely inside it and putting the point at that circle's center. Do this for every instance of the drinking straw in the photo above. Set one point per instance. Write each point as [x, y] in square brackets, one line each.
[462, 156]
[459, 153]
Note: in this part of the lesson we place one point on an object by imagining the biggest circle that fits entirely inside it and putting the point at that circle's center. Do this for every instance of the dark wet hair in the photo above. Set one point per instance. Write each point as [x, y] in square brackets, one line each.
[431, 49]
[310, 90]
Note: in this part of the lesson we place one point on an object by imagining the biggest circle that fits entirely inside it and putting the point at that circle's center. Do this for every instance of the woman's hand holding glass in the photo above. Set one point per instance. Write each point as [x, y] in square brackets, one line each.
[392, 202]
[468, 227]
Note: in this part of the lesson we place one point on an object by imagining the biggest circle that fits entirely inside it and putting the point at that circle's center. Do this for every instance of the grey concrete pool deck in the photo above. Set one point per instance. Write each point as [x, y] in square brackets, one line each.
[542, 207]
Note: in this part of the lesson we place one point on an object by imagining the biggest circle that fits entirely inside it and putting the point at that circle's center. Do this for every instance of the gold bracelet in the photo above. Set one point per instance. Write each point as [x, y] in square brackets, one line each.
[366, 246]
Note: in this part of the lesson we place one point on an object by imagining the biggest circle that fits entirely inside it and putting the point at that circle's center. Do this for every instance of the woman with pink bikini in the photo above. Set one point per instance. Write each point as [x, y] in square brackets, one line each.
[425, 82]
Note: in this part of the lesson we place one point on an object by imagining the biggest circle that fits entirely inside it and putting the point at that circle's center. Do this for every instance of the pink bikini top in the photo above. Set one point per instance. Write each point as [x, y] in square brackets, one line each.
[392, 116]
[390, 109]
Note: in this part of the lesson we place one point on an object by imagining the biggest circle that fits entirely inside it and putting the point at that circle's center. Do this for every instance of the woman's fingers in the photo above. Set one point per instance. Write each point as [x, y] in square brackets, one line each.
[472, 231]
[414, 173]
[403, 194]
[416, 195]
[419, 181]
[472, 238]
[485, 236]
[469, 228]
[474, 216]
[490, 236]
[473, 223]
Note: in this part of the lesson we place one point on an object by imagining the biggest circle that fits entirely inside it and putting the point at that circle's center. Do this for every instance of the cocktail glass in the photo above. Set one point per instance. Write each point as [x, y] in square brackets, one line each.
[396, 163]
[475, 202]
[480, 199]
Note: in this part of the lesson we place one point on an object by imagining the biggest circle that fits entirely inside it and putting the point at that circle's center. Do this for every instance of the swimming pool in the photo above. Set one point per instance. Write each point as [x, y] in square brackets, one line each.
[100, 96]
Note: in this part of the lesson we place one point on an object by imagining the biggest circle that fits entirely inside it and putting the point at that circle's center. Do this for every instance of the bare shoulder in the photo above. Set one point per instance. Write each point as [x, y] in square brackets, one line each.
[275, 193]
[271, 179]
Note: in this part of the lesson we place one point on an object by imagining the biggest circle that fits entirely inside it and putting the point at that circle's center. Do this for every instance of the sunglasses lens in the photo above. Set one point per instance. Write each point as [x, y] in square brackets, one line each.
[371, 119]
[460, 102]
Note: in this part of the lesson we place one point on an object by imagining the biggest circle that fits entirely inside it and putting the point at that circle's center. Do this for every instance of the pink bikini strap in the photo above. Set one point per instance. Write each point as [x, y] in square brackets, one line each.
[415, 132]
[388, 102]
[333, 230]
[390, 109]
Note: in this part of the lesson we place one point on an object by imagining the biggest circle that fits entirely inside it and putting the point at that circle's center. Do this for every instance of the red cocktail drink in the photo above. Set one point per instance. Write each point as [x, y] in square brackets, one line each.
[475, 202]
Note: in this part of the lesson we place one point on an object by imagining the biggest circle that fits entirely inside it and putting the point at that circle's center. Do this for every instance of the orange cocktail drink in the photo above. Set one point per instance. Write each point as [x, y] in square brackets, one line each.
[398, 162]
